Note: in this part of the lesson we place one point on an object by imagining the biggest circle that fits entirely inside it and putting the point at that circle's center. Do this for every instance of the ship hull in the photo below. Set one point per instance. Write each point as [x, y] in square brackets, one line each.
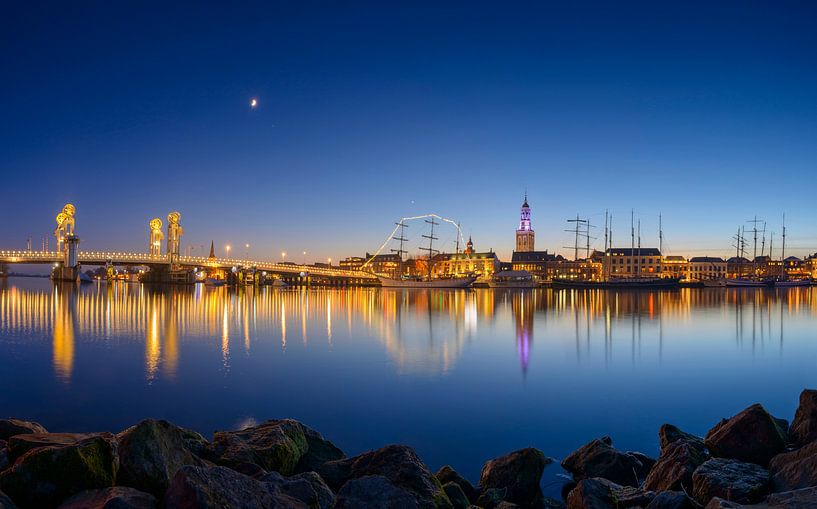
[634, 283]
[786, 284]
[746, 283]
[461, 282]
[513, 284]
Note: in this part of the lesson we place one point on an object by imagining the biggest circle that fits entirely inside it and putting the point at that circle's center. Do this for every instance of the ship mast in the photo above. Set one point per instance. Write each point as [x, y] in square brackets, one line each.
[402, 238]
[783, 251]
[430, 249]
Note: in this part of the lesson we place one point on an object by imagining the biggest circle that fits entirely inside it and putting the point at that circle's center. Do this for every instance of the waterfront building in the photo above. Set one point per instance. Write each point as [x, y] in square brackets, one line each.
[538, 263]
[524, 234]
[706, 267]
[738, 266]
[675, 266]
[630, 262]
[384, 264]
[483, 265]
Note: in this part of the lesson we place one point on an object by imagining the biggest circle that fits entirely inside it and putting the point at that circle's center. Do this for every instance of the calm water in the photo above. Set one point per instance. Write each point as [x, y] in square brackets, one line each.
[460, 375]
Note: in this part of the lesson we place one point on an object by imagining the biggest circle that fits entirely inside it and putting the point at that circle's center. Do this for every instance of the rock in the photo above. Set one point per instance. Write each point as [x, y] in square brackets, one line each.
[308, 487]
[719, 503]
[598, 493]
[491, 497]
[752, 436]
[646, 462]
[671, 500]
[506, 505]
[795, 469]
[731, 480]
[219, 487]
[455, 495]
[21, 444]
[45, 476]
[805, 498]
[520, 472]
[152, 451]
[374, 492]
[447, 474]
[11, 427]
[318, 451]
[674, 468]
[118, 497]
[599, 458]
[669, 434]
[397, 463]
[274, 445]
[804, 426]
[5, 502]
[5, 461]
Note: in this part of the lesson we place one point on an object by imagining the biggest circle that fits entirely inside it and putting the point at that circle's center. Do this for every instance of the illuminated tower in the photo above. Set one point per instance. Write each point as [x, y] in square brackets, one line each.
[174, 236]
[524, 234]
[469, 247]
[156, 237]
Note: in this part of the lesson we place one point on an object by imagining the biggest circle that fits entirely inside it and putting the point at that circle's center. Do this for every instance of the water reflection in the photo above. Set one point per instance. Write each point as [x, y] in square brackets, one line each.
[423, 332]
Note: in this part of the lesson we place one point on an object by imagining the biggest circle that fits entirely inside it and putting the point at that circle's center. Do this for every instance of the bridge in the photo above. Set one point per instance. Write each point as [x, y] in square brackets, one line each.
[171, 265]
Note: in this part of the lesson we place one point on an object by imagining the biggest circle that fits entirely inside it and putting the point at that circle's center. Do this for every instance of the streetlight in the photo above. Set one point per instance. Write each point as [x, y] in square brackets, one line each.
[227, 248]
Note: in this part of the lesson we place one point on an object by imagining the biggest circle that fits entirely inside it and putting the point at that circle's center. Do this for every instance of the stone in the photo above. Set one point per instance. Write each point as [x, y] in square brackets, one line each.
[491, 497]
[671, 500]
[5, 460]
[731, 480]
[152, 451]
[5, 502]
[20, 444]
[117, 497]
[805, 498]
[753, 436]
[45, 476]
[11, 427]
[646, 462]
[598, 493]
[506, 505]
[804, 426]
[669, 434]
[447, 474]
[599, 458]
[374, 492]
[219, 487]
[795, 469]
[308, 487]
[674, 468]
[719, 503]
[455, 495]
[520, 472]
[276, 445]
[397, 463]
[318, 451]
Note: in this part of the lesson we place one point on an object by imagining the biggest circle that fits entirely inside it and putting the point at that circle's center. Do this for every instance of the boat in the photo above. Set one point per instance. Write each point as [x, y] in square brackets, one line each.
[512, 279]
[211, 281]
[714, 283]
[278, 283]
[453, 282]
[745, 282]
[85, 278]
[621, 282]
[784, 283]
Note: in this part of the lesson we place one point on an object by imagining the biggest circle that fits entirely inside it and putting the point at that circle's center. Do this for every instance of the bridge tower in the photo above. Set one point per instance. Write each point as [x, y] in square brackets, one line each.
[67, 245]
[174, 237]
[156, 237]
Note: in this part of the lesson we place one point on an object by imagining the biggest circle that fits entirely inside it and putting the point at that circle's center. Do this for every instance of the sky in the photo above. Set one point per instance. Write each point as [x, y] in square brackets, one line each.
[702, 112]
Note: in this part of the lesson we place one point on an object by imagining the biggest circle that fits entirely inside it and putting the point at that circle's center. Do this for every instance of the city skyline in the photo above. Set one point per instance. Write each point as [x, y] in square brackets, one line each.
[704, 114]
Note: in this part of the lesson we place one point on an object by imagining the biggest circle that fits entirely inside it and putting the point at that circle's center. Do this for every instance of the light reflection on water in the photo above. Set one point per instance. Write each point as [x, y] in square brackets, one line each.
[460, 375]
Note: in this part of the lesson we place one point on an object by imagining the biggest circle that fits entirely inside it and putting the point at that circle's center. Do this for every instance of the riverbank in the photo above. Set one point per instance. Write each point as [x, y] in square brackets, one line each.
[752, 459]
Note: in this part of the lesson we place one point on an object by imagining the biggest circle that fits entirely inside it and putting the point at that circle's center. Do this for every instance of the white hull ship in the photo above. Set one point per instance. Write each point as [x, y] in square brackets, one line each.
[454, 282]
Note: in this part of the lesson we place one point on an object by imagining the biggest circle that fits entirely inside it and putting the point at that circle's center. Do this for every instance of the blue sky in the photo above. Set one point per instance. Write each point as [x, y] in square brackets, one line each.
[368, 112]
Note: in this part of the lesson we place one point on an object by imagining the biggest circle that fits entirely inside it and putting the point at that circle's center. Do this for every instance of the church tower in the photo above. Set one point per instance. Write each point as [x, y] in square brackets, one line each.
[524, 234]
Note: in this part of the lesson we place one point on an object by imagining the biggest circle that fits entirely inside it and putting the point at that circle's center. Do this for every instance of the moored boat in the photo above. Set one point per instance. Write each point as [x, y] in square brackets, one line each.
[512, 279]
[454, 282]
[748, 283]
[784, 283]
[623, 282]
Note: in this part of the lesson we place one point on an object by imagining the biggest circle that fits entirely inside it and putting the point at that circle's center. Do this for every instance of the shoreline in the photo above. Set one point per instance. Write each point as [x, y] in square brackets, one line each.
[748, 459]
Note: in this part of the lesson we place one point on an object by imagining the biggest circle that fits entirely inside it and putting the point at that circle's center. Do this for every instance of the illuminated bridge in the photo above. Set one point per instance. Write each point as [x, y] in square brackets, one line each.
[68, 259]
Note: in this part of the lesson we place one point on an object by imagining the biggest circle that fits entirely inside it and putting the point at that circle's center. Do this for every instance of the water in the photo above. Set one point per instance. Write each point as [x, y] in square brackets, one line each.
[462, 376]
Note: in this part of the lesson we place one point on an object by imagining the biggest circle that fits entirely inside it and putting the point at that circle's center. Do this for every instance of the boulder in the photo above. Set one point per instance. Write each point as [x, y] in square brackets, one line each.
[397, 463]
[752, 436]
[117, 497]
[599, 458]
[519, 472]
[669, 434]
[795, 469]
[731, 480]
[719, 503]
[5, 502]
[673, 470]
[491, 497]
[804, 426]
[598, 493]
[374, 492]
[45, 476]
[11, 427]
[274, 445]
[447, 474]
[219, 487]
[21, 444]
[4, 455]
[805, 498]
[152, 451]
[671, 500]
[318, 451]
[308, 487]
[506, 505]
[455, 495]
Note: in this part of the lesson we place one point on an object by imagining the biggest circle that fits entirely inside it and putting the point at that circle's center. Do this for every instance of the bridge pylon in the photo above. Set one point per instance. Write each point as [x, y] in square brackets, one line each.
[67, 245]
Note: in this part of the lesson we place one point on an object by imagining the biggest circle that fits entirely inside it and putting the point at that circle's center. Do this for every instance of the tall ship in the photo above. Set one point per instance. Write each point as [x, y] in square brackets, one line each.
[422, 281]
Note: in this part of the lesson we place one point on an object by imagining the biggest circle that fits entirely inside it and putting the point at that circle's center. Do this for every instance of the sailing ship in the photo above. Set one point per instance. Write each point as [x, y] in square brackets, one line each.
[784, 280]
[420, 281]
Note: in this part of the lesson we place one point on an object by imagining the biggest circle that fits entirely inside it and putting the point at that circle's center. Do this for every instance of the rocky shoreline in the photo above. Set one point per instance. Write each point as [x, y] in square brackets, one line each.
[752, 460]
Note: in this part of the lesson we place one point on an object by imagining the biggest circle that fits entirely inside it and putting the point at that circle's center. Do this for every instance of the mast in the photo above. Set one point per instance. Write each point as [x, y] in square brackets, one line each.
[430, 249]
[632, 234]
[458, 238]
[639, 247]
[605, 230]
[576, 230]
[763, 241]
[783, 251]
[400, 252]
[660, 235]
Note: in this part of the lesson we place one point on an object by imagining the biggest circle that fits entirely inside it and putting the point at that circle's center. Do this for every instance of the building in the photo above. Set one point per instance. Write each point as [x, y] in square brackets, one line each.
[675, 266]
[524, 234]
[702, 268]
[630, 262]
[483, 265]
[352, 263]
[537, 263]
[738, 266]
[388, 265]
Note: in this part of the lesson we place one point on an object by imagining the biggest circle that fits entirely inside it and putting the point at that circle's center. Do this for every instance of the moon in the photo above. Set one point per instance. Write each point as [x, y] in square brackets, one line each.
[253, 102]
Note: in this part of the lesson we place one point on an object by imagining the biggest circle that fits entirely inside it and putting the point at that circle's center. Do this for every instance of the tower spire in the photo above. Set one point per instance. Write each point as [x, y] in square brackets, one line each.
[212, 255]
